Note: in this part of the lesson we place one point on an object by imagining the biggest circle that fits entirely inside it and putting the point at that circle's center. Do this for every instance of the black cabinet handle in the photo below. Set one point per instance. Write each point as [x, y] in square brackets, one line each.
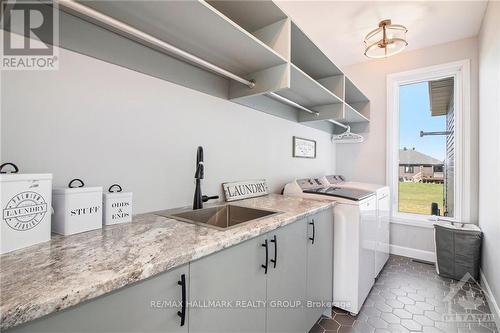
[314, 231]
[267, 256]
[182, 313]
[275, 241]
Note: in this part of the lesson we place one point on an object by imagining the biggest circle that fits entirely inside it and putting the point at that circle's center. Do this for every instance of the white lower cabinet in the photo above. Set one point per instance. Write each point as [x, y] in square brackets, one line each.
[147, 306]
[231, 276]
[286, 279]
[260, 285]
[267, 273]
[319, 264]
[264, 284]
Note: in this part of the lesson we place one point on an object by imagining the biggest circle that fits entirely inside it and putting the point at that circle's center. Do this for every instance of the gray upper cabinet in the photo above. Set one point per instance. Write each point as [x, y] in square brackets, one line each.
[286, 283]
[319, 263]
[232, 275]
[148, 306]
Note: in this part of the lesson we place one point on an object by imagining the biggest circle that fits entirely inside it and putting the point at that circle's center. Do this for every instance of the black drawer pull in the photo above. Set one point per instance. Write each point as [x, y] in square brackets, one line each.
[275, 241]
[267, 256]
[182, 313]
[314, 232]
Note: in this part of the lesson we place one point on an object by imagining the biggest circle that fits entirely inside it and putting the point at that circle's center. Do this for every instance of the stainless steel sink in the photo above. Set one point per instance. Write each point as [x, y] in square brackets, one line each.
[219, 217]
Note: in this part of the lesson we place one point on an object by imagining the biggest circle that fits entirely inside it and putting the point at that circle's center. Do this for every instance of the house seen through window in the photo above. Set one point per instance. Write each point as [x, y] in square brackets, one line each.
[426, 154]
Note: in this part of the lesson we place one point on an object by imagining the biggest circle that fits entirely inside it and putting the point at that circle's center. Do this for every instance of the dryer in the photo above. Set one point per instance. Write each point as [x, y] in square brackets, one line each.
[383, 215]
[354, 243]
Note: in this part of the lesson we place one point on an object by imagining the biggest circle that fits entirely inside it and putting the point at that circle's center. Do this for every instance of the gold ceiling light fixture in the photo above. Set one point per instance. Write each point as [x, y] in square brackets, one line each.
[387, 40]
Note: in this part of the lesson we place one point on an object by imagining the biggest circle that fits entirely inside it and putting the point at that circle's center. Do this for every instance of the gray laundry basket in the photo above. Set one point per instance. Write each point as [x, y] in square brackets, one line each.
[458, 249]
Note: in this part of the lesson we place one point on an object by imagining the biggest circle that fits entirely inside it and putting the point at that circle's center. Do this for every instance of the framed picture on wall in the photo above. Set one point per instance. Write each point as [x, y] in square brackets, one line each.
[304, 148]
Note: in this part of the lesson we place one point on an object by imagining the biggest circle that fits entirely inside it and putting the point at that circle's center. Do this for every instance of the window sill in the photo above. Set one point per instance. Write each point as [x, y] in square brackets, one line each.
[414, 221]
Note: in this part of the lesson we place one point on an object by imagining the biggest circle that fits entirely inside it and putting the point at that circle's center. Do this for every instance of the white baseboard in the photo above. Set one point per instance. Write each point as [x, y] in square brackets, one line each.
[412, 253]
[492, 302]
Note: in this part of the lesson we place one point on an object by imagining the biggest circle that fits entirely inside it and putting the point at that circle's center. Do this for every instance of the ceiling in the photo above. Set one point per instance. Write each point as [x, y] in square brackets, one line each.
[339, 27]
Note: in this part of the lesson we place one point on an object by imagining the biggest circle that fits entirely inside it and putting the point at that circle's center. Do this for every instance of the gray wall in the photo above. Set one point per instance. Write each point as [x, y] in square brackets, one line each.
[489, 146]
[105, 124]
[367, 161]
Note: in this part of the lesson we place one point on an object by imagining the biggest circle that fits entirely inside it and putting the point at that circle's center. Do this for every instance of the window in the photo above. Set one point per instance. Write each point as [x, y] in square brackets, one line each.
[425, 109]
[425, 159]
[438, 168]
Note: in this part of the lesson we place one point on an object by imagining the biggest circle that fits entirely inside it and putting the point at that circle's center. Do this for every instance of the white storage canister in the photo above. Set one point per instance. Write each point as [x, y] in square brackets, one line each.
[76, 208]
[26, 208]
[117, 205]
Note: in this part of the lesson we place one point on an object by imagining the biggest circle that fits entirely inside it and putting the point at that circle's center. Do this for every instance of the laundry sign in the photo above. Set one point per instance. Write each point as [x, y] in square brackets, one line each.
[244, 189]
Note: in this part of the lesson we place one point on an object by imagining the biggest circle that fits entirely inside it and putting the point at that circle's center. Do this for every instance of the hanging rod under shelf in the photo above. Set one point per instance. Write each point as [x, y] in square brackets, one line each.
[292, 103]
[149, 39]
[338, 124]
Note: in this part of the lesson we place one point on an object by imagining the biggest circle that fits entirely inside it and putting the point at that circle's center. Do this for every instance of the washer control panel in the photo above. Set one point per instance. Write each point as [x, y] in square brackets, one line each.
[310, 183]
[335, 179]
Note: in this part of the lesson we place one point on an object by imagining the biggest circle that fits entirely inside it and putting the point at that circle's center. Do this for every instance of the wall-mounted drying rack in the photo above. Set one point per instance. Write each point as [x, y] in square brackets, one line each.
[347, 137]
[271, 64]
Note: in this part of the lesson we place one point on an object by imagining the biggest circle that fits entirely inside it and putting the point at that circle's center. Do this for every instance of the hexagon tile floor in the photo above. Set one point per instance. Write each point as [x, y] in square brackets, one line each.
[409, 296]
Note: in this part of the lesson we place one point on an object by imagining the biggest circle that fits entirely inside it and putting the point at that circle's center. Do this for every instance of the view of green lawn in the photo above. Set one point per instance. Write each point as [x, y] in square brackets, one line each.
[416, 198]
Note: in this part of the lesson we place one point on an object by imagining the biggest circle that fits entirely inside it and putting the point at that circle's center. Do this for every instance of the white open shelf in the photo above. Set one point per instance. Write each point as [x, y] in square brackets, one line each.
[308, 57]
[355, 100]
[353, 94]
[263, 19]
[352, 116]
[195, 27]
[306, 91]
[250, 15]
[311, 60]
[253, 40]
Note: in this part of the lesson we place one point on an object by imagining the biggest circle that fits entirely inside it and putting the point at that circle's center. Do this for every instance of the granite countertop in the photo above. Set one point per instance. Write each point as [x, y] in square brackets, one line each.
[65, 271]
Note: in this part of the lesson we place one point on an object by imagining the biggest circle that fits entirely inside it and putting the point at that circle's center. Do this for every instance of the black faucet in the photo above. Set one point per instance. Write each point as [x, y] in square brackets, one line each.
[199, 199]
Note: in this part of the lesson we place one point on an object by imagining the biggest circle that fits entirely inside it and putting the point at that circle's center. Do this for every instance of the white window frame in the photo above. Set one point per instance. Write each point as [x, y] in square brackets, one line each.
[460, 71]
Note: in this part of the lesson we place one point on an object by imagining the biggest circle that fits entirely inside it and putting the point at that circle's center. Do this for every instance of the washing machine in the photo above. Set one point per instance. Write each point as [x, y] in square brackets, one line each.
[383, 214]
[354, 243]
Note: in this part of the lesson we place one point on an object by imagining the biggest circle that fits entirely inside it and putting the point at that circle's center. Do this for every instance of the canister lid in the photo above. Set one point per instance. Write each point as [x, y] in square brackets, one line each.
[115, 192]
[116, 195]
[15, 177]
[74, 190]
[76, 186]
